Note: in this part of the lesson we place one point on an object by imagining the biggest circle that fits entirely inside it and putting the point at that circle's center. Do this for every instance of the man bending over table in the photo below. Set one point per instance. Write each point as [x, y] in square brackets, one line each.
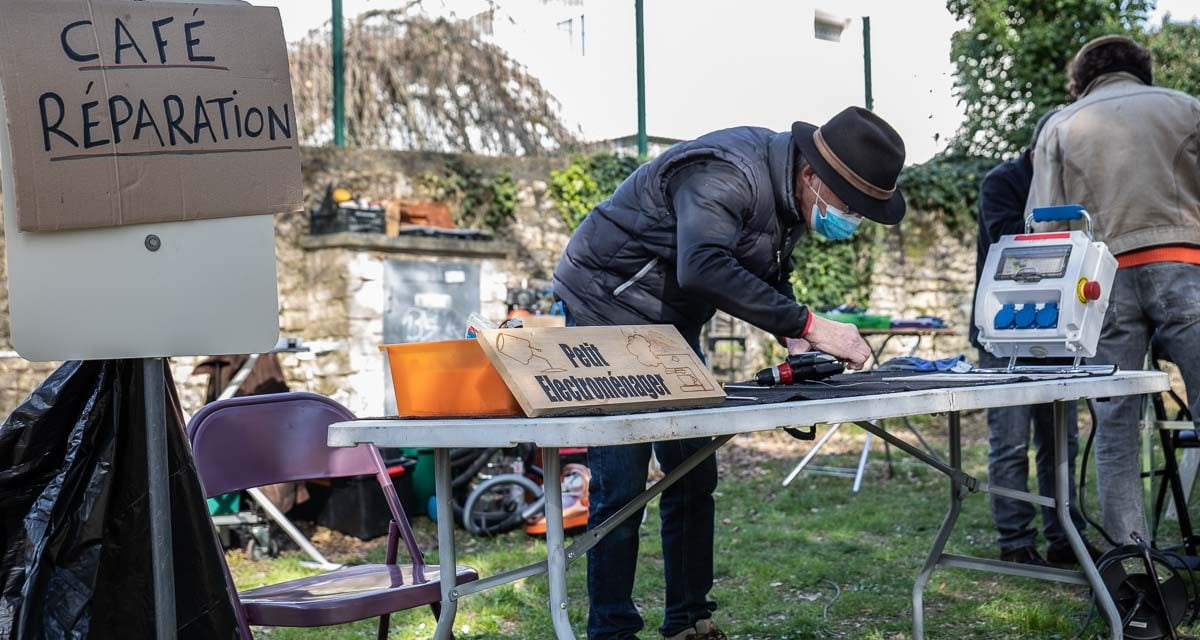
[710, 224]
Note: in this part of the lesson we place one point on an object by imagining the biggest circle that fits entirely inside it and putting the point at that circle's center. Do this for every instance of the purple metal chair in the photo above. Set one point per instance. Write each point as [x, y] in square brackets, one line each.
[259, 440]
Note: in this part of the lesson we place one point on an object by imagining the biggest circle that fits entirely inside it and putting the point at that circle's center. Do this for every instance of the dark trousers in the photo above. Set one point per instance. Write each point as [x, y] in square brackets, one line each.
[1008, 467]
[686, 509]
[618, 476]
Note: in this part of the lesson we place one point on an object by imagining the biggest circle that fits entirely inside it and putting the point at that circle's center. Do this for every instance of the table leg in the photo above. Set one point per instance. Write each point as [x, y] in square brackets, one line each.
[862, 464]
[1062, 493]
[585, 541]
[556, 555]
[878, 352]
[448, 564]
[811, 453]
[943, 534]
[908, 425]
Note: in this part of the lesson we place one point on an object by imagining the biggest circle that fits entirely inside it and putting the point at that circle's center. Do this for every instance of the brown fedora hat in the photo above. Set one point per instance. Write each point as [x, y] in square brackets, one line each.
[859, 157]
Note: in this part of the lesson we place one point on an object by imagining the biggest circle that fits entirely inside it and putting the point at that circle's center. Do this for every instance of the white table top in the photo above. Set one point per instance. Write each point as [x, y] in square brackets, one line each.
[594, 431]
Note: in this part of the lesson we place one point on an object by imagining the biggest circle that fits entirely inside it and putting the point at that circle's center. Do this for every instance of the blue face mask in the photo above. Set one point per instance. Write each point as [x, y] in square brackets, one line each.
[834, 223]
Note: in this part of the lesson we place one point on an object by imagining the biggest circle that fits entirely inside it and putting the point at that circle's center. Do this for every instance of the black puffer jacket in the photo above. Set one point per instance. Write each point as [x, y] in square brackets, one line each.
[637, 260]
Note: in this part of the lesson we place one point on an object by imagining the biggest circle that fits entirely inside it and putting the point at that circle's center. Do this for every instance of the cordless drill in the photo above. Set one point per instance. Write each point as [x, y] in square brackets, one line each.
[801, 367]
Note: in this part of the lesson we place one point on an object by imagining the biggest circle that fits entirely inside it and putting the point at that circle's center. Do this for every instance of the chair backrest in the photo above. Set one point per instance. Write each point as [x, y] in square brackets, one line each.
[253, 441]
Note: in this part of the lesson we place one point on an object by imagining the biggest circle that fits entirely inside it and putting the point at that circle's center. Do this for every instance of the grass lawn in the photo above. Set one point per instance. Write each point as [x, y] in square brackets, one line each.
[779, 553]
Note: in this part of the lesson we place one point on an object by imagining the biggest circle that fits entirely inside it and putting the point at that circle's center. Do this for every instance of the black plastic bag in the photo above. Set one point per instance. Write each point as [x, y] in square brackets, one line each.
[74, 514]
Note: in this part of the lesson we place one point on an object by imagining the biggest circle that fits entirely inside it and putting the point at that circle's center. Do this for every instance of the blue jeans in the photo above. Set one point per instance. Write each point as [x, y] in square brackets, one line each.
[687, 511]
[1008, 467]
[1161, 300]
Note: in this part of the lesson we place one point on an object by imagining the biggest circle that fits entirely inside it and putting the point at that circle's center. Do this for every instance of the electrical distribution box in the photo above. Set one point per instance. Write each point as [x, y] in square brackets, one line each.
[1045, 294]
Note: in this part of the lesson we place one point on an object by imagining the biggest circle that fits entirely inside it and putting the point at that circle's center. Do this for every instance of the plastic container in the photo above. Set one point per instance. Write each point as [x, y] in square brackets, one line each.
[356, 507]
[450, 378]
[422, 477]
[225, 504]
[861, 320]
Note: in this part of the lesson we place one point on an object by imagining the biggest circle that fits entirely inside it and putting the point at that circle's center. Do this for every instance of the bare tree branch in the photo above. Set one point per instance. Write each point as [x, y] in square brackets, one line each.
[420, 83]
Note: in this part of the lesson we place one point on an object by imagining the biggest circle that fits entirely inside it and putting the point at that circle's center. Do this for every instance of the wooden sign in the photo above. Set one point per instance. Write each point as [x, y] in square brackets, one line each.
[579, 370]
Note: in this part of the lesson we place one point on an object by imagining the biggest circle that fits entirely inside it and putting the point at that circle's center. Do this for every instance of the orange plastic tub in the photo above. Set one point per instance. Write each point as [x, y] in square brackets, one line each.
[450, 378]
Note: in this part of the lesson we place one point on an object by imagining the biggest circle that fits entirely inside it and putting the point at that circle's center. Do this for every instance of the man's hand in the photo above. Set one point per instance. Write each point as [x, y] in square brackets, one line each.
[797, 345]
[840, 340]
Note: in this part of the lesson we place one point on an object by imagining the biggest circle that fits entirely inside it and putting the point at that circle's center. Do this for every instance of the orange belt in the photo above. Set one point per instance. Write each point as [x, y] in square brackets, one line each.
[1190, 255]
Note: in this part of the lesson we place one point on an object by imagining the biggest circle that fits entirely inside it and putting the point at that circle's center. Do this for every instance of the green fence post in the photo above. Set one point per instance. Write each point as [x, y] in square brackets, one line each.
[642, 142]
[867, 61]
[339, 77]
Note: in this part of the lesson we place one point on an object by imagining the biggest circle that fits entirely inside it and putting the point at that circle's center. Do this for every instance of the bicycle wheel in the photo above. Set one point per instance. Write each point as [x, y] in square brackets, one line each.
[500, 504]
[470, 467]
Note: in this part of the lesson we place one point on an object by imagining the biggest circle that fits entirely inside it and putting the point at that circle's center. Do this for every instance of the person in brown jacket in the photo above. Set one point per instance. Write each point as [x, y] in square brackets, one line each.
[1129, 152]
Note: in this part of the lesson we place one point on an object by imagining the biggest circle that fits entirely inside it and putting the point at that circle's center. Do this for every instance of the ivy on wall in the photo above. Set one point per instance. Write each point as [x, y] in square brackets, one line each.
[477, 200]
[946, 188]
[827, 273]
[1010, 60]
[504, 200]
[586, 182]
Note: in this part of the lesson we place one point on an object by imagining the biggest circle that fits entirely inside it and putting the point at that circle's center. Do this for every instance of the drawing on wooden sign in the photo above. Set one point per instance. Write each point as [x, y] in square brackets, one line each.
[683, 366]
[522, 351]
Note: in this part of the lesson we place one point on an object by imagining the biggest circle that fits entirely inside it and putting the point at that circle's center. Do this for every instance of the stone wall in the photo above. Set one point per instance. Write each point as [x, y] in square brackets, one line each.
[331, 293]
[538, 233]
[926, 270]
[344, 324]
[332, 287]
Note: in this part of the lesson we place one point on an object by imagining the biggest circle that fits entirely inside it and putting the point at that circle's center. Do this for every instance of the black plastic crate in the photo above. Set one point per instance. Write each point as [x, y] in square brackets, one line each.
[356, 506]
[338, 219]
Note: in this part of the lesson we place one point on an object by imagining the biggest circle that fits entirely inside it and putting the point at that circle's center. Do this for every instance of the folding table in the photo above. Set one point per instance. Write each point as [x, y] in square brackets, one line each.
[859, 398]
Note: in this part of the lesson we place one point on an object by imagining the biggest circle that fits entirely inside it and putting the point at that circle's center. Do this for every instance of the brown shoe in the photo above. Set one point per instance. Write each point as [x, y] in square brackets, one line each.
[704, 630]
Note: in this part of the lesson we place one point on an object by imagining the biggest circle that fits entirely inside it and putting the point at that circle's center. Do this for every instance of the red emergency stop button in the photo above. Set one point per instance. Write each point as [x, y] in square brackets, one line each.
[1088, 290]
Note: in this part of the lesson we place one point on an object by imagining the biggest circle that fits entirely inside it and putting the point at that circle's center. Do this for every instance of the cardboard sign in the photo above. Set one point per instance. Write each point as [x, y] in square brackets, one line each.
[124, 113]
[562, 371]
[207, 287]
[538, 322]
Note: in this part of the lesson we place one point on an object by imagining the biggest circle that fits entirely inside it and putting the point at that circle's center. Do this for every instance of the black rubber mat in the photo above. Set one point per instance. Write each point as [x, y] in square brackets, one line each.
[876, 383]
